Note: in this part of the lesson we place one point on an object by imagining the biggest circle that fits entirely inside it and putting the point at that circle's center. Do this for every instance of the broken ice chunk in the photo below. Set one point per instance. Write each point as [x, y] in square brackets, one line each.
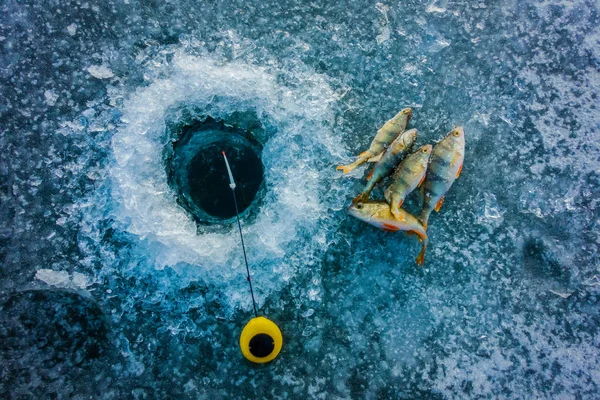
[100, 71]
[72, 29]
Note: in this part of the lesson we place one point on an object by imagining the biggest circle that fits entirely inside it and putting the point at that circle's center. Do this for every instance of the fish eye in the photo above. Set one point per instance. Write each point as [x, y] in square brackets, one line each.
[359, 206]
[425, 151]
[456, 133]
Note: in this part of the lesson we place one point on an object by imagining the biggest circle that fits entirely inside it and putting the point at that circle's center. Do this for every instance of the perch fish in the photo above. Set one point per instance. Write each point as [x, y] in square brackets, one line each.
[390, 159]
[385, 135]
[377, 213]
[408, 176]
[444, 167]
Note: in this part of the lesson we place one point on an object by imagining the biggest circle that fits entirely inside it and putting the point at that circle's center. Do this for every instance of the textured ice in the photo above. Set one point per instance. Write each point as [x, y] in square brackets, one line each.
[100, 71]
[144, 205]
[53, 278]
[72, 29]
[62, 278]
[109, 289]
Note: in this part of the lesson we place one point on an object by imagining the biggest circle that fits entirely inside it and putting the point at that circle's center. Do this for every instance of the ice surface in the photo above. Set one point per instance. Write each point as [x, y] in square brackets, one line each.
[100, 71]
[53, 278]
[72, 29]
[507, 305]
[62, 279]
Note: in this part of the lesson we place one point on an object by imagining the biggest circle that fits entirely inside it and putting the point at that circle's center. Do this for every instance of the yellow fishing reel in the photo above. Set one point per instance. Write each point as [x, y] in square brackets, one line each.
[260, 340]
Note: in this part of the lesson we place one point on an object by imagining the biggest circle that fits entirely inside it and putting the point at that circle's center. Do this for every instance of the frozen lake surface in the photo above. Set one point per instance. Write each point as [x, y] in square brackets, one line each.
[114, 285]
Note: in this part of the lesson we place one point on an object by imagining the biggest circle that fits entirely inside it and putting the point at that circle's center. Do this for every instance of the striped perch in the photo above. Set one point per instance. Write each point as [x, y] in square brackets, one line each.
[408, 176]
[385, 135]
[391, 157]
[445, 166]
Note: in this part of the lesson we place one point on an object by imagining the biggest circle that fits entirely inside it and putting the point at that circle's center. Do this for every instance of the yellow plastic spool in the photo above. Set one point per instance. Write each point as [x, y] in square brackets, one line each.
[260, 340]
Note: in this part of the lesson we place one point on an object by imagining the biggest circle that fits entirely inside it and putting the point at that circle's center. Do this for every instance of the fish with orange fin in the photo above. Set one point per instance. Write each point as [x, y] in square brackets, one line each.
[444, 167]
[408, 176]
[377, 213]
[385, 135]
[399, 148]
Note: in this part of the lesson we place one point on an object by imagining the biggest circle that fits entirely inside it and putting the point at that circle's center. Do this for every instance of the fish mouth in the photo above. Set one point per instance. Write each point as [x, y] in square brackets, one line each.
[352, 210]
[356, 213]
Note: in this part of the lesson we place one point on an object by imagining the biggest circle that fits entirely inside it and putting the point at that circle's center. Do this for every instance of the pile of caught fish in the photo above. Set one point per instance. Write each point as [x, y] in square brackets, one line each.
[432, 168]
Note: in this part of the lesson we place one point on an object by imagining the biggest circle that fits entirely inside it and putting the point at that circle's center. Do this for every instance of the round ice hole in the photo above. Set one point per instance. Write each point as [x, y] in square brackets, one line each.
[200, 177]
[208, 180]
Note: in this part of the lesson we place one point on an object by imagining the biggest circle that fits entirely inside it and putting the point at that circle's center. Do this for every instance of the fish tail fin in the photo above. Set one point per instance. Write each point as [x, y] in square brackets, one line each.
[421, 257]
[423, 237]
[366, 192]
[361, 159]
[345, 168]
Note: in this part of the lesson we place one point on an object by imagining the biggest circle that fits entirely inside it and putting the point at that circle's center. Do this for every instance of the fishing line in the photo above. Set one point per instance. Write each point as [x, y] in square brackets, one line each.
[237, 215]
[261, 339]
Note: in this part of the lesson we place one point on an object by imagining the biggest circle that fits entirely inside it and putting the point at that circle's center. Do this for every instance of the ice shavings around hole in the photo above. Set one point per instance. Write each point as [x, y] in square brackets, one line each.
[296, 205]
